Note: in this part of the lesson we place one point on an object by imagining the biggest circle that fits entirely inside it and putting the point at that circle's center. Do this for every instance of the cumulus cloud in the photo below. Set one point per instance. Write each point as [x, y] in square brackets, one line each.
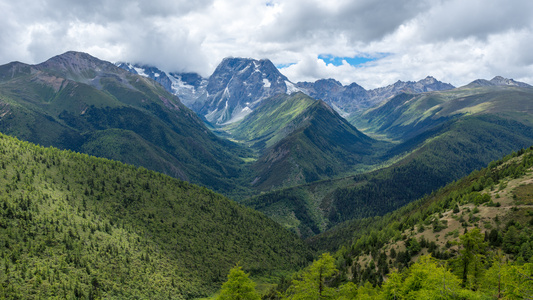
[117, 30]
[318, 21]
[456, 41]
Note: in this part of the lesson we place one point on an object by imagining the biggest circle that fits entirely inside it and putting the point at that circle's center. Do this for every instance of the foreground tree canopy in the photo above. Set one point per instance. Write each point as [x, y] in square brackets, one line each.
[469, 276]
[238, 286]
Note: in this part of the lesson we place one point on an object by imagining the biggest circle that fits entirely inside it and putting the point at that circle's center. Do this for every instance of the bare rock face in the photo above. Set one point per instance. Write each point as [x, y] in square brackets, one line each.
[342, 98]
[234, 89]
[238, 85]
[498, 80]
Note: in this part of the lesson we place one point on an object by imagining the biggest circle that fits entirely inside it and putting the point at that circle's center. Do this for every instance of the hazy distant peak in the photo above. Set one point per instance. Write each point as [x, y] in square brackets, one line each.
[428, 80]
[497, 81]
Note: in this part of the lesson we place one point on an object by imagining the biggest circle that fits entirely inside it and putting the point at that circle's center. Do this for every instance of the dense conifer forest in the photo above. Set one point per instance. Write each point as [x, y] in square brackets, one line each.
[76, 226]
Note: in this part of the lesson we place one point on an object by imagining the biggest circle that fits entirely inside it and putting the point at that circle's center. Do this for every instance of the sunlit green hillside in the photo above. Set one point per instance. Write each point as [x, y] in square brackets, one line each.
[72, 225]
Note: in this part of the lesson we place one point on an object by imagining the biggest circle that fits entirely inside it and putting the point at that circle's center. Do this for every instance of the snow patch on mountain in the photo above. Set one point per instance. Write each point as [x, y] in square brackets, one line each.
[291, 88]
[140, 71]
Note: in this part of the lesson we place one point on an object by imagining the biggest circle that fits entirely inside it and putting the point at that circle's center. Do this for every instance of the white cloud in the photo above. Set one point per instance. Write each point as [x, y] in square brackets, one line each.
[456, 41]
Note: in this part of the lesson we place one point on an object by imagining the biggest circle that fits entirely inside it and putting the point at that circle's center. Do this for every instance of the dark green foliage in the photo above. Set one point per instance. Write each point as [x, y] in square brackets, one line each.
[292, 200]
[72, 225]
[454, 154]
[114, 114]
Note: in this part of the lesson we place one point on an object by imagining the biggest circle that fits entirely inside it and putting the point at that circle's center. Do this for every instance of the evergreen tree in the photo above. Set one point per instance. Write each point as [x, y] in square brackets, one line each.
[238, 286]
[312, 283]
[470, 259]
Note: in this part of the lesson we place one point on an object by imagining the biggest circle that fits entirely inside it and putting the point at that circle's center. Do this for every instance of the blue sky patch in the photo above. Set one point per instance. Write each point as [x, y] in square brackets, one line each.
[283, 66]
[354, 61]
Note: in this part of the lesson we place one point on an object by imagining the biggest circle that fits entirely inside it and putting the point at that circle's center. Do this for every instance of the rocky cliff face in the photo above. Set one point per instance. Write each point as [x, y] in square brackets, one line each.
[234, 89]
[189, 87]
[238, 85]
[344, 99]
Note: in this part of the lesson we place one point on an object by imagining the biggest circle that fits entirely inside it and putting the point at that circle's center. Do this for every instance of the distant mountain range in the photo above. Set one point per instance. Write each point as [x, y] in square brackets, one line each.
[238, 85]
[353, 98]
[497, 81]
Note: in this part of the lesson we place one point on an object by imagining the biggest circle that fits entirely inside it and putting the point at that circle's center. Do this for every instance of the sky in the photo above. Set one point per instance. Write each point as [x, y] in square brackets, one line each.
[371, 42]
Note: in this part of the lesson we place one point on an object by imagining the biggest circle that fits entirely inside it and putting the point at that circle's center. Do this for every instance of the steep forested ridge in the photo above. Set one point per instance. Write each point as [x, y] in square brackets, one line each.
[72, 225]
[301, 140]
[469, 240]
[441, 136]
[496, 200]
[75, 101]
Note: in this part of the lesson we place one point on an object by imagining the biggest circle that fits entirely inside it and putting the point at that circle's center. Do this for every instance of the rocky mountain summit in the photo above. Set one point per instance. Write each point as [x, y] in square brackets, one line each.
[238, 85]
[234, 89]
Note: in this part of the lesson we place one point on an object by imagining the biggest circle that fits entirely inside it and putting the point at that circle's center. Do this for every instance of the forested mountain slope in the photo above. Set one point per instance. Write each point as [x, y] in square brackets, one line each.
[445, 140]
[72, 225]
[78, 102]
[478, 224]
[299, 139]
[406, 116]
[469, 240]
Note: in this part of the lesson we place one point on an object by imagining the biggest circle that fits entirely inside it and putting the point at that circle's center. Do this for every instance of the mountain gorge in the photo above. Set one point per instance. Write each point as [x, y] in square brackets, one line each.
[302, 140]
[440, 137]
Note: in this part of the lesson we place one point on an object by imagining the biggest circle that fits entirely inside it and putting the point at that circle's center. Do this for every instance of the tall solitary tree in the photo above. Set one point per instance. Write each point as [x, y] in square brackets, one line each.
[238, 286]
[471, 256]
[312, 283]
